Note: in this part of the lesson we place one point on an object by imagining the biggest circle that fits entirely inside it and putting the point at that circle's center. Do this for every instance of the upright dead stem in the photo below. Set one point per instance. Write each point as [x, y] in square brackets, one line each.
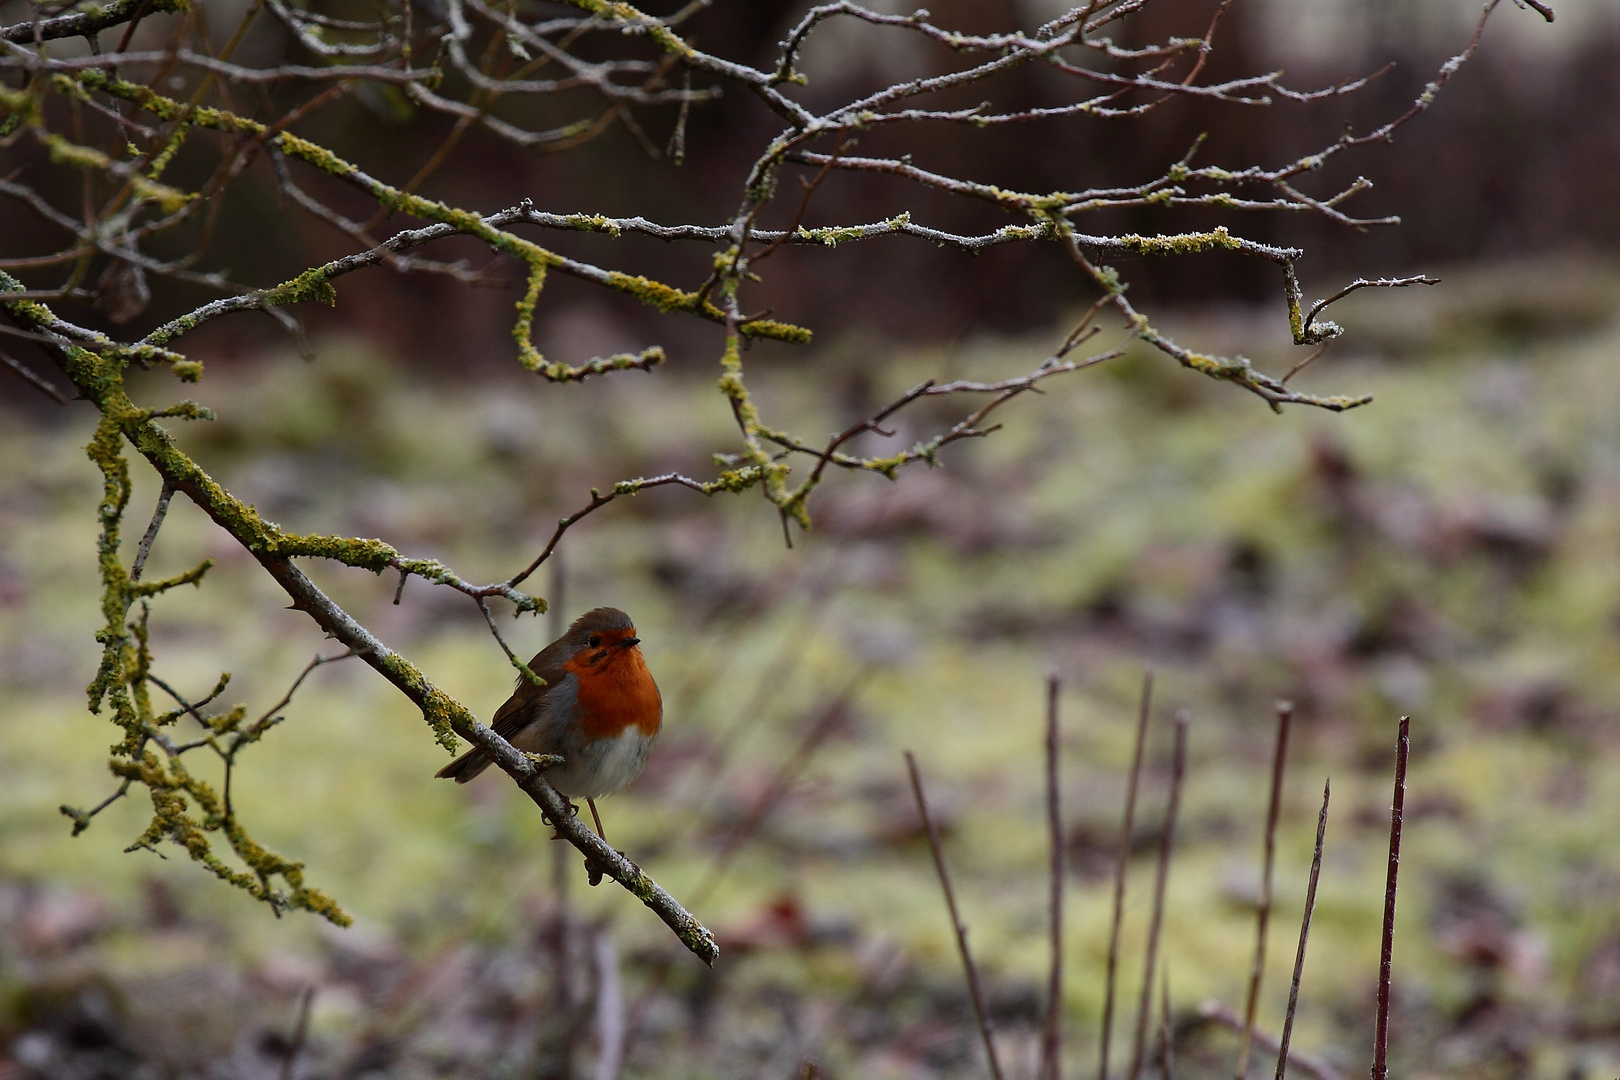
[1052, 1034]
[1167, 1048]
[975, 991]
[1285, 716]
[1144, 708]
[1304, 935]
[610, 1028]
[1144, 1013]
[1380, 1067]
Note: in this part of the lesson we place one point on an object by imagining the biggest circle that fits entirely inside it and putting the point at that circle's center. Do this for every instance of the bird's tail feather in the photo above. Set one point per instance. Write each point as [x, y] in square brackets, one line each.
[464, 768]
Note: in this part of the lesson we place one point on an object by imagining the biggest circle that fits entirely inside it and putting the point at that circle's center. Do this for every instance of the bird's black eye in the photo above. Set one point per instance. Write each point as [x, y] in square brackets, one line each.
[593, 641]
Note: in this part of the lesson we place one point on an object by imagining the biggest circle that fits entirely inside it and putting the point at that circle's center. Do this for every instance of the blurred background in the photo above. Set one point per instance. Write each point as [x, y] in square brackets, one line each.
[1451, 551]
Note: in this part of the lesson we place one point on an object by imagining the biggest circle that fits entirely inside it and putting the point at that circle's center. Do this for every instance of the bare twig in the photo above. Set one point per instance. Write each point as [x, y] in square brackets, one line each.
[1052, 1033]
[561, 940]
[599, 500]
[1283, 1053]
[597, 818]
[1167, 1049]
[295, 1045]
[1386, 956]
[557, 603]
[975, 991]
[1310, 331]
[81, 818]
[145, 548]
[1144, 709]
[1215, 1012]
[34, 379]
[823, 723]
[1279, 761]
[610, 1028]
[1303, 364]
[286, 699]
[1144, 1015]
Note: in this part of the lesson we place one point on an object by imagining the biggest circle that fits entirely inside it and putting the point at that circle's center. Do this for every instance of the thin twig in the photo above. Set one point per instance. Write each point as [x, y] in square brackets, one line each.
[286, 699]
[828, 720]
[158, 515]
[1167, 1062]
[1052, 1041]
[1143, 710]
[975, 991]
[34, 379]
[1215, 1012]
[1363, 283]
[1144, 1015]
[512, 657]
[804, 205]
[610, 1029]
[1279, 763]
[1303, 364]
[1380, 1068]
[561, 942]
[557, 602]
[81, 818]
[295, 1045]
[194, 709]
[1304, 935]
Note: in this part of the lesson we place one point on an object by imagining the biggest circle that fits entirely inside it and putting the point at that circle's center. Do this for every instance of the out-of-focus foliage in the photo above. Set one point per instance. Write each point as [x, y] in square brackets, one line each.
[1449, 552]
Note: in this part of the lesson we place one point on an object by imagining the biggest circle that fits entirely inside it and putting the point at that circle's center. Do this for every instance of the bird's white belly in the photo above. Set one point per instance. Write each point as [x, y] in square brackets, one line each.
[603, 767]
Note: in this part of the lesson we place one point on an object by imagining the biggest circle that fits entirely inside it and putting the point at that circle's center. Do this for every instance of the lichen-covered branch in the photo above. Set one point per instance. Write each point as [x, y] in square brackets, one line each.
[185, 808]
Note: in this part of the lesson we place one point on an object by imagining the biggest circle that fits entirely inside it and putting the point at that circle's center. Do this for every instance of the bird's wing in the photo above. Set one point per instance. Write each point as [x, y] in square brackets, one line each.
[527, 699]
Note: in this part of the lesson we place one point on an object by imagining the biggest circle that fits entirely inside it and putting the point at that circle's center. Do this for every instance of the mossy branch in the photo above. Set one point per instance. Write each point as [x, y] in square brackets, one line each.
[121, 679]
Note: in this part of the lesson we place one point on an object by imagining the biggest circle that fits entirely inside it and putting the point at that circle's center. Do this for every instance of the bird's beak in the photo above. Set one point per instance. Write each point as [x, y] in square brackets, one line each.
[629, 642]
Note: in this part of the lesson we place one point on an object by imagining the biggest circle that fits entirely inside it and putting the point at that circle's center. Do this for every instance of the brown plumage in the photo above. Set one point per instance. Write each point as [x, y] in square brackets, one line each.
[600, 709]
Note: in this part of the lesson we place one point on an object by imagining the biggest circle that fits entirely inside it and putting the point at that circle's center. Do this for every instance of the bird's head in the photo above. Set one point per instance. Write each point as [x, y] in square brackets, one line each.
[600, 637]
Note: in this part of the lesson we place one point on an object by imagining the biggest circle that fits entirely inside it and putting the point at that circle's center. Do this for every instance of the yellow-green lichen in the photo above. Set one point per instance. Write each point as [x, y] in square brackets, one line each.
[313, 154]
[1182, 244]
[310, 285]
[171, 148]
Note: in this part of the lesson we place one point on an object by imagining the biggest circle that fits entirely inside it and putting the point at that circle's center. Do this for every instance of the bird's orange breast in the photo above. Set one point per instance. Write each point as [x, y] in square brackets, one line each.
[618, 695]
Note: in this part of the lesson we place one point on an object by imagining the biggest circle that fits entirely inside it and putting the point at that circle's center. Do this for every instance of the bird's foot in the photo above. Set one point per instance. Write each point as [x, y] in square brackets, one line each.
[545, 761]
[595, 870]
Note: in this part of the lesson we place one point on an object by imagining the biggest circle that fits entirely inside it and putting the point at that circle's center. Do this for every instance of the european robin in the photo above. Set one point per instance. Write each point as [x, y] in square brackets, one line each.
[599, 711]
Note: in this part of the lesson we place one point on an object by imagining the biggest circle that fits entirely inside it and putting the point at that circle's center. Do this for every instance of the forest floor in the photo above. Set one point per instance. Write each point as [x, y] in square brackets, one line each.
[1451, 552]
